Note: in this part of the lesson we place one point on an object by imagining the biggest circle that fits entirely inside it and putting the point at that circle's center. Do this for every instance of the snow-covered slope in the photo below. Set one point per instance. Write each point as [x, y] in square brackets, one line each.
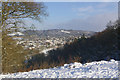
[101, 69]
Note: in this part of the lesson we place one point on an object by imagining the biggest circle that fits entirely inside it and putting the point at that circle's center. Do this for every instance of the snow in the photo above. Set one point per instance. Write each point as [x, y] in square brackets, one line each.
[17, 38]
[45, 51]
[65, 31]
[16, 33]
[100, 69]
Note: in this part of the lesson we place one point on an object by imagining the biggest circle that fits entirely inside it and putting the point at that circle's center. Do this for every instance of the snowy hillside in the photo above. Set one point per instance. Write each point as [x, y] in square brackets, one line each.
[101, 69]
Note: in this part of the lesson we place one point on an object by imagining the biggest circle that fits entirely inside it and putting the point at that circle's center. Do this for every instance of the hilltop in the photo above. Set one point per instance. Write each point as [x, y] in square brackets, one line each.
[58, 33]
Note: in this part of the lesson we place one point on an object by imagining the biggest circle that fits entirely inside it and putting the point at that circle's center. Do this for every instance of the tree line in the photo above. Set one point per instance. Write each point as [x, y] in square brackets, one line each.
[101, 46]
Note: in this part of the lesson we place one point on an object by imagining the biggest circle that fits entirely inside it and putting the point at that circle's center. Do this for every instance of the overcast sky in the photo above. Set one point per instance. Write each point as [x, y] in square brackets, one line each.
[90, 16]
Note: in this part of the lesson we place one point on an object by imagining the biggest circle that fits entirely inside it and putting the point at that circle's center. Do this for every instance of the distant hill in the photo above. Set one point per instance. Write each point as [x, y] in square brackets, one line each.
[58, 33]
[101, 46]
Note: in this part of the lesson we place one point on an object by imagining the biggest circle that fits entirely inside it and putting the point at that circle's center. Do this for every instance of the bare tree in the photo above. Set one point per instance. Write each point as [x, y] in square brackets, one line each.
[13, 55]
[18, 10]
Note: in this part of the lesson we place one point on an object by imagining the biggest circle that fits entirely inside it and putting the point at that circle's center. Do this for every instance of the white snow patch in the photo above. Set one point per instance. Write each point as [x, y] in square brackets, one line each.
[16, 33]
[65, 31]
[100, 69]
[45, 51]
